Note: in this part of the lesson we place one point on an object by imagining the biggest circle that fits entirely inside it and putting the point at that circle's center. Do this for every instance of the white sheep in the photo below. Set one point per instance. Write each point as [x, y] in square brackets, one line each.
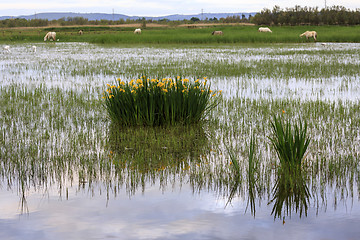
[264, 29]
[217, 33]
[50, 36]
[137, 31]
[309, 34]
[6, 48]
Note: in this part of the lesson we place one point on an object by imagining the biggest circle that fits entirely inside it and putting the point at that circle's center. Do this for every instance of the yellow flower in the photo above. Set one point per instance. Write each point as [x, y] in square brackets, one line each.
[139, 81]
[165, 90]
[178, 77]
[161, 84]
[118, 79]
[185, 80]
[197, 80]
[205, 78]
[214, 95]
[210, 91]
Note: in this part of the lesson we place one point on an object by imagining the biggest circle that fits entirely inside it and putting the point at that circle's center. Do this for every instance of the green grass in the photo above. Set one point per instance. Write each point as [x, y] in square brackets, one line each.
[289, 141]
[186, 36]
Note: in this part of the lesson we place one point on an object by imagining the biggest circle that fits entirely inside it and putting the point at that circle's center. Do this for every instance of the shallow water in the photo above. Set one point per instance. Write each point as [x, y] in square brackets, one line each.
[184, 207]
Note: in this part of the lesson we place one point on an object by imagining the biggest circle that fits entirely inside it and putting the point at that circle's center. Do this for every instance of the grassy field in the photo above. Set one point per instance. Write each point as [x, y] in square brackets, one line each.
[233, 34]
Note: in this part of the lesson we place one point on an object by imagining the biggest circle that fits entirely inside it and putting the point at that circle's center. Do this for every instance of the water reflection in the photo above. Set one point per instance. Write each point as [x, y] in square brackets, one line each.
[148, 154]
[290, 193]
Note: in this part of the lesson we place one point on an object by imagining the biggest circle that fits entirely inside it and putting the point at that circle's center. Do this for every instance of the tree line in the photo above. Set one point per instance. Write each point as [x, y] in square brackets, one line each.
[336, 15]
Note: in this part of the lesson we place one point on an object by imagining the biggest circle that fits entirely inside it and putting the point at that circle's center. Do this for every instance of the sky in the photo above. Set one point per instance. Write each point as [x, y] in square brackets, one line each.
[157, 8]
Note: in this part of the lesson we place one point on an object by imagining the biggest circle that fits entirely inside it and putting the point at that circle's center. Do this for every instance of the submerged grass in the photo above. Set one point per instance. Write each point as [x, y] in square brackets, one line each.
[54, 130]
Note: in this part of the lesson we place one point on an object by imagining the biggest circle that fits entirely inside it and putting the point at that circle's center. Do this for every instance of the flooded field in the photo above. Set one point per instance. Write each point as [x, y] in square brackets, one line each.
[67, 173]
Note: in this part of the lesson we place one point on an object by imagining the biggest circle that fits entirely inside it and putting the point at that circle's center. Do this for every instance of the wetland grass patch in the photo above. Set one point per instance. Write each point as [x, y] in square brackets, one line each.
[55, 130]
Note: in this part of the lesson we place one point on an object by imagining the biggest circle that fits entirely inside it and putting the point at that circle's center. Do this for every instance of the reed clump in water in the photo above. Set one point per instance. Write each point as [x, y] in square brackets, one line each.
[290, 142]
[154, 102]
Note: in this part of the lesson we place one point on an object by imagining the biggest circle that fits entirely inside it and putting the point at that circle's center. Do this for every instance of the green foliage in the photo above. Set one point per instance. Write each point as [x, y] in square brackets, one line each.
[145, 102]
[290, 143]
[335, 15]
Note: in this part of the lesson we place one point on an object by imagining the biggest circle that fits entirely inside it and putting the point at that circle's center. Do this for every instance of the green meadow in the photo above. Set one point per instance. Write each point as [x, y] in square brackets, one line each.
[184, 35]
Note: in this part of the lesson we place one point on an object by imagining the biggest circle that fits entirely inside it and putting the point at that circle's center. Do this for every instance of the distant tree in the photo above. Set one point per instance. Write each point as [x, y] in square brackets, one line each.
[194, 19]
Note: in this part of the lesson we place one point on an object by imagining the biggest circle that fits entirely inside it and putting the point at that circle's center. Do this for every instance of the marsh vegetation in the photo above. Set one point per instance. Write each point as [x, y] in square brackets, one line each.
[56, 136]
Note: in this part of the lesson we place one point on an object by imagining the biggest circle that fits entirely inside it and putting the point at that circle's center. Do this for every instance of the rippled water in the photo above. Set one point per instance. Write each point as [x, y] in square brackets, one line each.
[179, 209]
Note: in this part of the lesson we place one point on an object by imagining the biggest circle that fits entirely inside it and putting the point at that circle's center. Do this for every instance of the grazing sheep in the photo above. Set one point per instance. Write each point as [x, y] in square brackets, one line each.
[309, 34]
[217, 33]
[50, 36]
[33, 48]
[6, 48]
[264, 29]
[137, 31]
[81, 32]
[323, 44]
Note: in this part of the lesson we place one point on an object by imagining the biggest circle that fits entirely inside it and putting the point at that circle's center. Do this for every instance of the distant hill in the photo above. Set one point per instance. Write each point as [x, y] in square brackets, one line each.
[105, 16]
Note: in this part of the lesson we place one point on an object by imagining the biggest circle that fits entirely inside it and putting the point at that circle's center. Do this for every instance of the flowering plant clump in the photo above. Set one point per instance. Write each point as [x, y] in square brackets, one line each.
[155, 102]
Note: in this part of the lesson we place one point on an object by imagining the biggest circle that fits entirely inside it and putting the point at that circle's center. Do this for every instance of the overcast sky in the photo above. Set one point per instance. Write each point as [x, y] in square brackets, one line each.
[157, 7]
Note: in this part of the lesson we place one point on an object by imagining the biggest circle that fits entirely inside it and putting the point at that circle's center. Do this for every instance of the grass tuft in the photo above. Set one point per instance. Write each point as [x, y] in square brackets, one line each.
[290, 142]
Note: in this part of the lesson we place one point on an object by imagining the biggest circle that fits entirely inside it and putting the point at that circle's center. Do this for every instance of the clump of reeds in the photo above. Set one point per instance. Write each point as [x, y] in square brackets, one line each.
[290, 141]
[154, 102]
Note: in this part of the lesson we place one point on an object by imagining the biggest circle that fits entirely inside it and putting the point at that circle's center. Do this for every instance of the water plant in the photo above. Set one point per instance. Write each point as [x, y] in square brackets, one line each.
[154, 102]
[290, 142]
[251, 174]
